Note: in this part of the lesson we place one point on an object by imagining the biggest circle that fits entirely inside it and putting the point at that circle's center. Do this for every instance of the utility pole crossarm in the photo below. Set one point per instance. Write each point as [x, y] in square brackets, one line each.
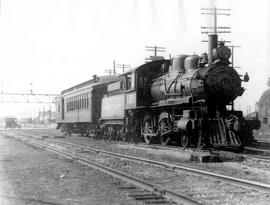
[29, 94]
[232, 58]
[28, 97]
[214, 12]
[155, 49]
[123, 66]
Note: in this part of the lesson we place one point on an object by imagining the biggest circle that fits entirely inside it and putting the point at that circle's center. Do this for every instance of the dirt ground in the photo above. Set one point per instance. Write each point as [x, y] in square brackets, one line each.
[30, 175]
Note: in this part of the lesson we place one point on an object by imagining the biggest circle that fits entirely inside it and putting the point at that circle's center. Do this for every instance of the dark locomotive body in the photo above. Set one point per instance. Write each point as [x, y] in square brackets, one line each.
[186, 100]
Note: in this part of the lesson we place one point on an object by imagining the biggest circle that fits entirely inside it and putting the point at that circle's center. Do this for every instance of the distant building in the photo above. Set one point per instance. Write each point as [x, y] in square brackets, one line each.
[45, 117]
[26, 120]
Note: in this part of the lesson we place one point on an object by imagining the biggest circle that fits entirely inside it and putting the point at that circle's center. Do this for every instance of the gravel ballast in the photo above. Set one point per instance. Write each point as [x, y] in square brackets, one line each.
[30, 175]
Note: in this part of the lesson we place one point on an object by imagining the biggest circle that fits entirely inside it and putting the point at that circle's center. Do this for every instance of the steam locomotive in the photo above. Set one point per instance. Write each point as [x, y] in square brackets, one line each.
[188, 100]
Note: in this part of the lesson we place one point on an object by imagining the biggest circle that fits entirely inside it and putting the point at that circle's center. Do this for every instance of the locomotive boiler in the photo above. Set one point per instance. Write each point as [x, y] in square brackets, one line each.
[218, 82]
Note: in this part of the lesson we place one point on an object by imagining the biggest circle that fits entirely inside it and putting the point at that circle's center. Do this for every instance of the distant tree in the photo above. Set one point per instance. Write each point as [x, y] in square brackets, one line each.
[264, 103]
[268, 82]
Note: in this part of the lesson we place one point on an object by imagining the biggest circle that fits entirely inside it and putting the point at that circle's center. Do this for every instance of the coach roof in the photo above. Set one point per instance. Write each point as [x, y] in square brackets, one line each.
[97, 81]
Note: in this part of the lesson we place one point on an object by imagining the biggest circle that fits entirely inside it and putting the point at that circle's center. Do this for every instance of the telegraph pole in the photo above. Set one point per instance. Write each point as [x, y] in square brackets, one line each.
[44, 114]
[213, 31]
[114, 69]
[123, 66]
[232, 48]
[155, 49]
[111, 71]
[108, 71]
[215, 12]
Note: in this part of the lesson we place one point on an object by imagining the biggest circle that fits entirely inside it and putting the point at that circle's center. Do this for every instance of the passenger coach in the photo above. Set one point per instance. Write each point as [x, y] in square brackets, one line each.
[79, 107]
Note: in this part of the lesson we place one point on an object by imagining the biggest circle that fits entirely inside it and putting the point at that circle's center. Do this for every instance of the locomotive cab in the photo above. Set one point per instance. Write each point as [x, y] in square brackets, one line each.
[139, 80]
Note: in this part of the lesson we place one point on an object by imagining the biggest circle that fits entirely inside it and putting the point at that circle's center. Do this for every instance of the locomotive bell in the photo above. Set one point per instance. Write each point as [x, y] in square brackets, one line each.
[203, 60]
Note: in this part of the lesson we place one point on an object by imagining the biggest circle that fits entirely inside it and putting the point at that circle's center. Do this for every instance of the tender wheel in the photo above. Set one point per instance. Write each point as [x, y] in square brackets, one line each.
[165, 127]
[147, 129]
[185, 140]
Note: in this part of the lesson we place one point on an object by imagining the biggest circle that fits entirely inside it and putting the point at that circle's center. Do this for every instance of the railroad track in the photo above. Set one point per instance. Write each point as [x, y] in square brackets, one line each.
[158, 194]
[251, 152]
[257, 157]
[235, 181]
[262, 141]
[258, 151]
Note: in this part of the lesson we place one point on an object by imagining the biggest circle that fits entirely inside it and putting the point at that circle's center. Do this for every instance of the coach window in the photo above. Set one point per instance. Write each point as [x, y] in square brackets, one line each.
[84, 101]
[87, 101]
[81, 97]
[130, 79]
[80, 102]
[77, 102]
[82, 105]
[73, 104]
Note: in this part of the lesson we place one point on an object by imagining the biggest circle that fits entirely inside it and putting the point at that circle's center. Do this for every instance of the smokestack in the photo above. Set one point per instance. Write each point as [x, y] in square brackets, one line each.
[212, 44]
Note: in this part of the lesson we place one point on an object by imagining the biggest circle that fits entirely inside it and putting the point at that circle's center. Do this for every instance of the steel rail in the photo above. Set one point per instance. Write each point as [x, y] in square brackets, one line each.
[156, 189]
[263, 141]
[236, 181]
[252, 149]
[257, 157]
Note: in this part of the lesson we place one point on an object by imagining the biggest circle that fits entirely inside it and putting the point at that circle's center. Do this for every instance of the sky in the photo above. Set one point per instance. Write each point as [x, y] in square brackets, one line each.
[56, 44]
